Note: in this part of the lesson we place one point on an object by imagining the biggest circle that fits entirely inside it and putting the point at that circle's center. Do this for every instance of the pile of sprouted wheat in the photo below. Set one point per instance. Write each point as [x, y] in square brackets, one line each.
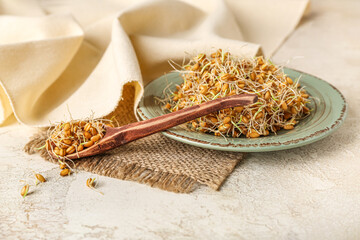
[75, 136]
[281, 100]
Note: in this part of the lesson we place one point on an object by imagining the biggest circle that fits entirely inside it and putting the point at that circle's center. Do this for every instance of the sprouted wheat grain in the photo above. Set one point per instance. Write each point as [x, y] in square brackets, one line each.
[25, 190]
[91, 183]
[40, 177]
[65, 172]
[282, 102]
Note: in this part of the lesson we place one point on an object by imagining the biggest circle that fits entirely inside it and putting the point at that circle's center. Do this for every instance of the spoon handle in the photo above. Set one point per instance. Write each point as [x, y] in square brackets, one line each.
[147, 127]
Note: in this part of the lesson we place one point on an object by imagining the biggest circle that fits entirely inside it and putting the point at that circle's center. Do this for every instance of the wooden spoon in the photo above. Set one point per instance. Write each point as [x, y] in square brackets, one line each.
[115, 137]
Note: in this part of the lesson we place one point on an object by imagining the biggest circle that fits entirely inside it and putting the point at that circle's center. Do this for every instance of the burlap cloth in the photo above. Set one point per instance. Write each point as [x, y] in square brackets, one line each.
[155, 160]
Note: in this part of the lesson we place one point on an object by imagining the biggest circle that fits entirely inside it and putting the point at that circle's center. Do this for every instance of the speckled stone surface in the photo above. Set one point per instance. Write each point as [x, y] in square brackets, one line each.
[312, 192]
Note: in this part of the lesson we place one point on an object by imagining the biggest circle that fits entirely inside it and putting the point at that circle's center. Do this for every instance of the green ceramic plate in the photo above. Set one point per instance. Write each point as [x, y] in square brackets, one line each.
[329, 111]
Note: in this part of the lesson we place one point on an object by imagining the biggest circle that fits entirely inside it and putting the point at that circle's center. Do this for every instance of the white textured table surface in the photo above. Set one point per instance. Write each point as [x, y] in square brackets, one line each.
[311, 192]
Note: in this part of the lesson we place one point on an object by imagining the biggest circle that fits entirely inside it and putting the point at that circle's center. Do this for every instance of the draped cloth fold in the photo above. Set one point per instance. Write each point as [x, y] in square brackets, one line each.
[76, 56]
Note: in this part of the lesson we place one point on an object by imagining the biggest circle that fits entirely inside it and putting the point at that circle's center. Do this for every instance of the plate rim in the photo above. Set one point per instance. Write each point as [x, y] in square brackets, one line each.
[261, 147]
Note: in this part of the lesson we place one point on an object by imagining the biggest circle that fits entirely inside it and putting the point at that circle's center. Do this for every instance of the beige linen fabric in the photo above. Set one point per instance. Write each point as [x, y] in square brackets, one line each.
[60, 56]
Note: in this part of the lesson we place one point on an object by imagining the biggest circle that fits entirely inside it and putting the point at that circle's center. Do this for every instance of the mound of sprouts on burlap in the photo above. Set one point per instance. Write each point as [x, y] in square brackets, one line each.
[282, 102]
